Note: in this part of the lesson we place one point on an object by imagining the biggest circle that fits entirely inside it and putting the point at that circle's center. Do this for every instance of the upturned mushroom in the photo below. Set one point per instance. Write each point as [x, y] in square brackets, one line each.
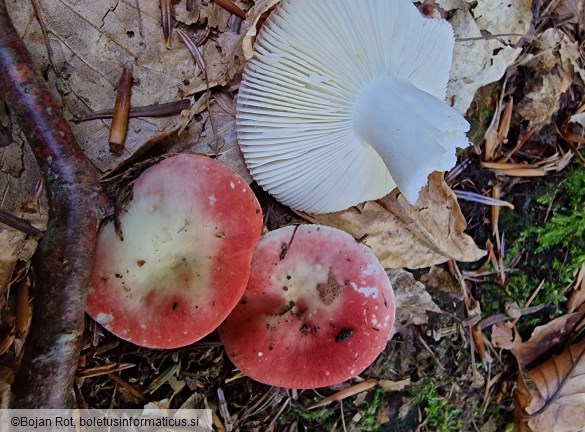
[188, 238]
[343, 100]
[318, 310]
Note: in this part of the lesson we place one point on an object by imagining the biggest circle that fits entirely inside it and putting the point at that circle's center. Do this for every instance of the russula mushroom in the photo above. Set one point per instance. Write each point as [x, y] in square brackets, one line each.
[343, 101]
[189, 234]
[317, 310]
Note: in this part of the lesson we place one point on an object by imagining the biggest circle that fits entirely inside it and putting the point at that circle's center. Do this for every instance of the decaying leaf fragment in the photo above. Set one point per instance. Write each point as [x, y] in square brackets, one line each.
[401, 235]
[478, 59]
[412, 300]
[553, 69]
[557, 388]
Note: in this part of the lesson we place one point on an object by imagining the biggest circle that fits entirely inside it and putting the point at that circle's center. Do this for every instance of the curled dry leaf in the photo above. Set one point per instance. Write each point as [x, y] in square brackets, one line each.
[557, 390]
[542, 341]
[413, 236]
[260, 8]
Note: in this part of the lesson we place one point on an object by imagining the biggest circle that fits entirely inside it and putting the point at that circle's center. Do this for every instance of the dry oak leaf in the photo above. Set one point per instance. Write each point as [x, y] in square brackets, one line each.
[402, 235]
[543, 340]
[558, 392]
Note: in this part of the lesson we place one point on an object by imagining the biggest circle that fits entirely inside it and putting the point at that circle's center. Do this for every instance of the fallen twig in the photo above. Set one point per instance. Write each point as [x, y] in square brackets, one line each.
[62, 263]
[157, 110]
[19, 224]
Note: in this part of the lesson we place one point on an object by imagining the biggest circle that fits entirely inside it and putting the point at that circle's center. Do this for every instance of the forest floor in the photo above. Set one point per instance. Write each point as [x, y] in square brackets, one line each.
[463, 366]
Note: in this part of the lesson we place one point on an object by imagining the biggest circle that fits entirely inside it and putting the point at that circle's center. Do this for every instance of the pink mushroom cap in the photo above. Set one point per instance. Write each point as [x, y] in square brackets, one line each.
[189, 234]
[318, 310]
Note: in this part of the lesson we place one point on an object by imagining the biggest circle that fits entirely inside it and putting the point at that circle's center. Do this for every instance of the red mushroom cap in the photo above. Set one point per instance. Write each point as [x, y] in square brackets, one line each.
[188, 238]
[317, 311]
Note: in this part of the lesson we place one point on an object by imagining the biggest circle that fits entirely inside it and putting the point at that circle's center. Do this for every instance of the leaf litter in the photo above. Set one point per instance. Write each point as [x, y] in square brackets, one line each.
[495, 40]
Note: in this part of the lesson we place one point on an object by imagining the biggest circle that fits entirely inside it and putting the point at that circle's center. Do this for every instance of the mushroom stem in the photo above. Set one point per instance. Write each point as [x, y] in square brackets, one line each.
[391, 111]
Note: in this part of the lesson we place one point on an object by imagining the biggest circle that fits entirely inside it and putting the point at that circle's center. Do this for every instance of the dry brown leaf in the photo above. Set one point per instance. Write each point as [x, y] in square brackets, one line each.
[553, 69]
[206, 12]
[542, 341]
[402, 235]
[437, 278]
[226, 149]
[412, 300]
[259, 10]
[569, 11]
[542, 102]
[558, 395]
[478, 61]
[504, 337]
[90, 43]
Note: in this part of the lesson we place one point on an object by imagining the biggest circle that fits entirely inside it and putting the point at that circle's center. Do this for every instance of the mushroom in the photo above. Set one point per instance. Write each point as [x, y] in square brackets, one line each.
[188, 238]
[318, 309]
[343, 101]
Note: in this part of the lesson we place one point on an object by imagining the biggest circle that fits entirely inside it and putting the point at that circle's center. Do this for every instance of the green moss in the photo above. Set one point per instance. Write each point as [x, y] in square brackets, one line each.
[439, 414]
[321, 414]
[559, 244]
[369, 422]
[551, 251]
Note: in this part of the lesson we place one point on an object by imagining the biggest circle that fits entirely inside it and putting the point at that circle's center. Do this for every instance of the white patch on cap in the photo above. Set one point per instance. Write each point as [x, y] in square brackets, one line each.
[212, 200]
[369, 292]
[365, 291]
[232, 185]
[104, 318]
[369, 270]
[142, 326]
[260, 354]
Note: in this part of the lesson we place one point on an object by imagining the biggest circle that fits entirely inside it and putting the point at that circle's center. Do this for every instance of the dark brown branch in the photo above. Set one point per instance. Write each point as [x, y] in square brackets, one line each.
[62, 263]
